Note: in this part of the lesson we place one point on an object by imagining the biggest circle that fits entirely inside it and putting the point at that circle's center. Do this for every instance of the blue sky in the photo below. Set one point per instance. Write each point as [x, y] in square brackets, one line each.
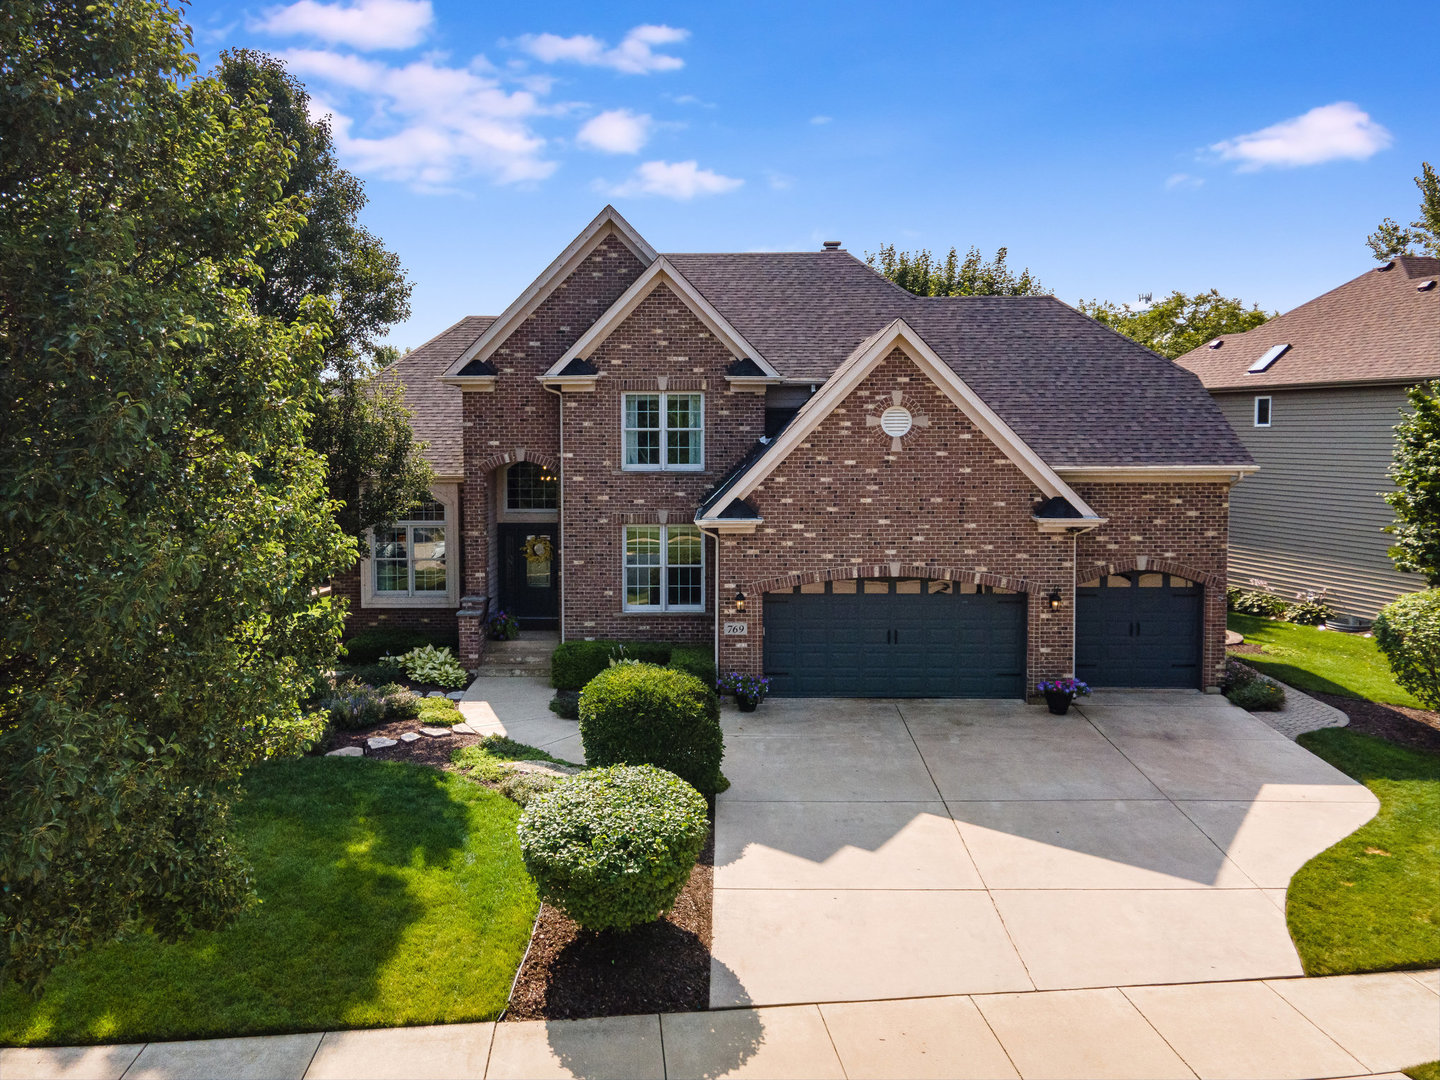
[1114, 149]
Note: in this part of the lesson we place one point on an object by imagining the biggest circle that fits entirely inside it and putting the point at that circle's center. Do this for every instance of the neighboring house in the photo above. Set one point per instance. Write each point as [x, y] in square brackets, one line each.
[1315, 395]
[852, 489]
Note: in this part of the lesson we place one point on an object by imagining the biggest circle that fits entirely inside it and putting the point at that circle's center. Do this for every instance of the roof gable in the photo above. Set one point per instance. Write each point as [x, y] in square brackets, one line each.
[662, 272]
[435, 407]
[608, 222]
[866, 358]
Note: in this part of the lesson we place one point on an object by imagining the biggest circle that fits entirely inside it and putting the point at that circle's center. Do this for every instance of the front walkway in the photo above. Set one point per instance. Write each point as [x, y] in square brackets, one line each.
[896, 849]
[1353, 1025]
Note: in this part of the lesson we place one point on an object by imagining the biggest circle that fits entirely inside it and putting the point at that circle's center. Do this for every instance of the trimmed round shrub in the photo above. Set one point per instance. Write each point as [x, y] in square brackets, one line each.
[642, 714]
[612, 848]
[1408, 633]
[1260, 695]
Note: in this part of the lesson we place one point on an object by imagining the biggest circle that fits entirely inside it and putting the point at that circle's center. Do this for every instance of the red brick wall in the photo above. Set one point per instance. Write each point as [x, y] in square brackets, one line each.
[347, 587]
[660, 339]
[947, 504]
[521, 418]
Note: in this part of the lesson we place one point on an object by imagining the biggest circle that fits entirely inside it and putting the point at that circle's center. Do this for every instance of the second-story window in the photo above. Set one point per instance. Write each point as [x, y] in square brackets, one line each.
[664, 431]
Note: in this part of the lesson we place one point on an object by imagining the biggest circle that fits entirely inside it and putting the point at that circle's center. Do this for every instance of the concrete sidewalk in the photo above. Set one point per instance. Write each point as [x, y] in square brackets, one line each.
[1351, 1025]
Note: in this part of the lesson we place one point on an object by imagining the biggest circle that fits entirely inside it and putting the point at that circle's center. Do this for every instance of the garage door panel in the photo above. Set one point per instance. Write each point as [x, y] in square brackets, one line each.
[887, 643]
[1129, 634]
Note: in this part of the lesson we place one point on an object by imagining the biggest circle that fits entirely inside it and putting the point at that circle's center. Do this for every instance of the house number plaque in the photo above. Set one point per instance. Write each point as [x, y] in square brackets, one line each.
[737, 629]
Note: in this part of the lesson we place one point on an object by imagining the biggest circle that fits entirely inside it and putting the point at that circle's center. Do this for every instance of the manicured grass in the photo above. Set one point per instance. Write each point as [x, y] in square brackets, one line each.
[487, 759]
[1322, 660]
[391, 894]
[1429, 1071]
[1372, 902]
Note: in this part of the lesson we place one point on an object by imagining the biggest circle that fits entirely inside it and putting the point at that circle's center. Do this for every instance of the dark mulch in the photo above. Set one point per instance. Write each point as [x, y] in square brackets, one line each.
[571, 974]
[426, 750]
[1415, 728]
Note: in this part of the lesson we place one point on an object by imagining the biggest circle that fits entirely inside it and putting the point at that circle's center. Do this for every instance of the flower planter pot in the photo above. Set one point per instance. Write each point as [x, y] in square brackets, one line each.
[1059, 703]
[746, 704]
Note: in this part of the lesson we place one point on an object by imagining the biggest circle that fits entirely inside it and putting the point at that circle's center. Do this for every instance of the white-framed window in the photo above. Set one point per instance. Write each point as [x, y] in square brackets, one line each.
[409, 558]
[1262, 411]
[664, 568]
[664, 431]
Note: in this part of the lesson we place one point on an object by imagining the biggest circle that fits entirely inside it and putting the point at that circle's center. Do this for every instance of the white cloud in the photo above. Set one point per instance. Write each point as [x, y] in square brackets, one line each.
[616, 131]
[1326, 133]
[423, 123]
[635, 55]
[363, 24]
[779, 181]
[1182, 180]
[821, 119]
[682, 180]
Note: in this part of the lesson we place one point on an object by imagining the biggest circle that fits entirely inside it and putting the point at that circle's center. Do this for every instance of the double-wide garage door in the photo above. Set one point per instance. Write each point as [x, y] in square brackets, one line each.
[895, 638]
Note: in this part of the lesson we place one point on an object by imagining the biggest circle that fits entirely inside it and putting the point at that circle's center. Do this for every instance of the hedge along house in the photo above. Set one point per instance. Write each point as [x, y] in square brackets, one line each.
[851, 489]
[1315, 395]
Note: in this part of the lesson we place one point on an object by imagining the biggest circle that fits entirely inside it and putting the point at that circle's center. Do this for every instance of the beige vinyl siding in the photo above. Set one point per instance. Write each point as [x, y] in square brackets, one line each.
[1312, 516]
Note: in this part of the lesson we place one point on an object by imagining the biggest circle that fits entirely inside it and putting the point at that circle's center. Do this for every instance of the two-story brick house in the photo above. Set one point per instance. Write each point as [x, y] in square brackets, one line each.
[852, 489]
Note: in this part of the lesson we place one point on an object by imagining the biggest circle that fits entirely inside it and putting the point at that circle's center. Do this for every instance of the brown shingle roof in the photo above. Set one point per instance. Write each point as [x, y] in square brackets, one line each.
[1078, 393]
[436, 405]
[1377, 327]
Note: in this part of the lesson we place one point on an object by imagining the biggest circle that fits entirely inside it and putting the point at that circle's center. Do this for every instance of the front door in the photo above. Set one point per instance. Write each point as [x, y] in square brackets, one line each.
[529, 584]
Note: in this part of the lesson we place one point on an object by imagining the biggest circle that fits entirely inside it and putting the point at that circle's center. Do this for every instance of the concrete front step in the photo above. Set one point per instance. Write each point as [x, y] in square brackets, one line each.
[510, 671]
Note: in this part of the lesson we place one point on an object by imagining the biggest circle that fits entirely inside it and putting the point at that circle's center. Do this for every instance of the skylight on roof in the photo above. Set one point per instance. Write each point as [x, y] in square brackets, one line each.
[1269, 357]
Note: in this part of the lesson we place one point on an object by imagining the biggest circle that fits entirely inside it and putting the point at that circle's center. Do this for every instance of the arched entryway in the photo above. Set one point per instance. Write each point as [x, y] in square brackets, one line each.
[525, 545]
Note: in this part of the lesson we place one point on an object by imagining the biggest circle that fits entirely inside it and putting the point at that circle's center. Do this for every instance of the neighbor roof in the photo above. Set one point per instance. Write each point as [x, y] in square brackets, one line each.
[1379, 327]
[1075, 391]
[436, 405]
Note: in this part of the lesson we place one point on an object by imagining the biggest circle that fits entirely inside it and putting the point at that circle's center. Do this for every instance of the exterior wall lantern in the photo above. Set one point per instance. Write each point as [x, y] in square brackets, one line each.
[740, 602]
[1054, 598]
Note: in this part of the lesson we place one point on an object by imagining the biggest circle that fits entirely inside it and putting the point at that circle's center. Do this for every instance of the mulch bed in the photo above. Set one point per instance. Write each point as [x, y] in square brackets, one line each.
[427, 750]
[1418, 729]
[1245, 647]
[572, 974]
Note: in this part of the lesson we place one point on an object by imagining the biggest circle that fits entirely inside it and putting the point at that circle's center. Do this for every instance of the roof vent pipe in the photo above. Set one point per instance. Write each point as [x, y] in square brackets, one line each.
[832, 245]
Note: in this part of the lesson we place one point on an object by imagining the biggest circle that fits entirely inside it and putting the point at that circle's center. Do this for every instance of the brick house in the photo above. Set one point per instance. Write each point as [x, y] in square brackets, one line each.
[852, 489]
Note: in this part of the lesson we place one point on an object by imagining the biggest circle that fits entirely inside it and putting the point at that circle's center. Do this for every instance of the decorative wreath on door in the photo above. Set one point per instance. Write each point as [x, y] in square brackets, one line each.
[538, 549]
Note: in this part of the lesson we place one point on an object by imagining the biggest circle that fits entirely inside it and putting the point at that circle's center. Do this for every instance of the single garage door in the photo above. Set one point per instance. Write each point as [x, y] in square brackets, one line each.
[895, 638]
[1138, 629]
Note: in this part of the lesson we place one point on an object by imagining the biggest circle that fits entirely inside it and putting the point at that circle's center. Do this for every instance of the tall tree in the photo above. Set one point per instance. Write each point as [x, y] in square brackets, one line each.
[1178, 323]
[1416, 498]
[362, 426]
[1423, 236]
[924, 275]
[162, 524]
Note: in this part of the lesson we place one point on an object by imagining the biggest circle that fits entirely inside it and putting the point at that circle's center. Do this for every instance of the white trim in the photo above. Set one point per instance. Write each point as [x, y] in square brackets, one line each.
[482, 383]
[448, 495]
[662, 608]
[867, 356]
[664, 466]
[1269, 410]
[1195, 474]
[606, 223]
[569, 384]
[661, 272]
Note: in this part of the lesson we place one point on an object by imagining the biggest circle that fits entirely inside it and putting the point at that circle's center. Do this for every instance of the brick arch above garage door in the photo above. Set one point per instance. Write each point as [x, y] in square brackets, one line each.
[894, 570]
[1147, 565]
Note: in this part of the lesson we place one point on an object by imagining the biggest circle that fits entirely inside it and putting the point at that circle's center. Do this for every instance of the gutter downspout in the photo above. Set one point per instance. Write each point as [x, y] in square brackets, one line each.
[559, 393]
[716, 538]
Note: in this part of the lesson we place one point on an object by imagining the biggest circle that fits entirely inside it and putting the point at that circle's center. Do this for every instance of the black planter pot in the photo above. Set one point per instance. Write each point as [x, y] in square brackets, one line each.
[746, 704]
[1059, 701]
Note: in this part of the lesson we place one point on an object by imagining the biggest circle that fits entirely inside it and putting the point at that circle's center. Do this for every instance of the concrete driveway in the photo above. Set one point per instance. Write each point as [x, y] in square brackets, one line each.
[896, 849]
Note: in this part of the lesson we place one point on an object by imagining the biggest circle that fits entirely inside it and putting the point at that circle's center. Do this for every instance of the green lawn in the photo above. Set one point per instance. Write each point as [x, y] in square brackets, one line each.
[1372, 902]
[1309, 659]
[392, 894]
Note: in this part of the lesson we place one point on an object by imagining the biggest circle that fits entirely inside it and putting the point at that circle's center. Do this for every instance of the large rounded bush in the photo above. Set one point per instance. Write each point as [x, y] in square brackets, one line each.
[641, 714]
[612, 848]
[1408, 633]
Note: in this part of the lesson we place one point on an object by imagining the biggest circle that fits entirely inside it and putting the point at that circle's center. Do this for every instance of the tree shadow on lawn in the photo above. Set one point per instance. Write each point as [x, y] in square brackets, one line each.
[1302, 679]
[389, 895]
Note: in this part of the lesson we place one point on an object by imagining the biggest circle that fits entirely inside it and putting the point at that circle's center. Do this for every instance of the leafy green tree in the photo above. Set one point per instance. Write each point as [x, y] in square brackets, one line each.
[1423, 236]
[362, 427]
[1178, 323]
[162, 524]
[1416, 498]
[924, 275]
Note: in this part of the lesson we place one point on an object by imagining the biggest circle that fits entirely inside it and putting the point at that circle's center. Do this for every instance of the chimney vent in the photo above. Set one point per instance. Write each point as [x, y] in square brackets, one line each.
[832, 245]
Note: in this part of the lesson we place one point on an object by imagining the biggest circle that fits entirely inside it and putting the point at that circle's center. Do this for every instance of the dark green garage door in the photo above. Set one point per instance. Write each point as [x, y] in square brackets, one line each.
[1138, 630]
[890, 638]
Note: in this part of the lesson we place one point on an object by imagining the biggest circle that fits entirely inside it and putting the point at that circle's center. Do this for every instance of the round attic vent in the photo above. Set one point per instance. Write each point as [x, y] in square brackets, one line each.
[896, 421]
